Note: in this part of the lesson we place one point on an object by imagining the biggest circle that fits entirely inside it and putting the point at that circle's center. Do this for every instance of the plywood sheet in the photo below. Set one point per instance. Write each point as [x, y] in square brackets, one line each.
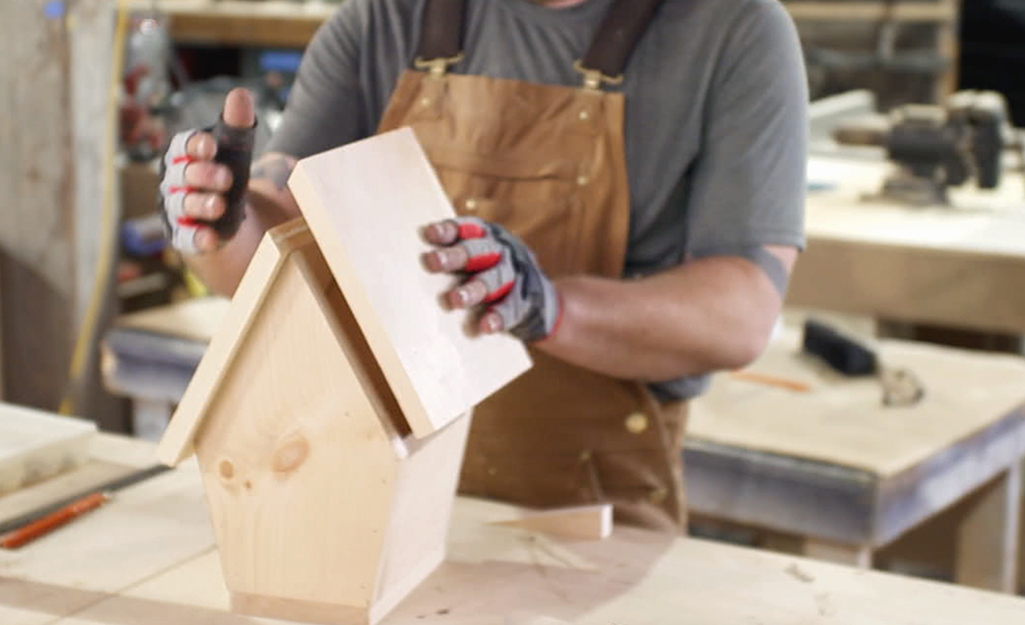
[36, 445]
[842, 421]
[366, 204]
[589, 522]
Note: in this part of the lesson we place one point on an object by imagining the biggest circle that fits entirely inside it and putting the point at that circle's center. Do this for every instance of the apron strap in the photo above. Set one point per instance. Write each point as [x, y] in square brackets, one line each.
[441, 35]
[615, 40]
[441, 38]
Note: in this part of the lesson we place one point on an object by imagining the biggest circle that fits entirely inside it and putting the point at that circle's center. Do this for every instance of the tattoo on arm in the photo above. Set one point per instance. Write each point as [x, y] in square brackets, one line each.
[275, 168]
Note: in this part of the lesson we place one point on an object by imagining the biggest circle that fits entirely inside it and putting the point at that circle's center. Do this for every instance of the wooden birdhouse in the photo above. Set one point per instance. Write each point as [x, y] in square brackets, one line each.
[330, 411]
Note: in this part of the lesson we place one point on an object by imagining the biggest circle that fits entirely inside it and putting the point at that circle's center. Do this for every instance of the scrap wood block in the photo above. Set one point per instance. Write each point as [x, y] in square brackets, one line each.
[330, 411]
[591, 522]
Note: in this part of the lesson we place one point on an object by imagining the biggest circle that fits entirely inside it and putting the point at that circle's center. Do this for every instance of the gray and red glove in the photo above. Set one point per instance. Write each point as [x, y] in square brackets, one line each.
[203, 178]
[503, 277]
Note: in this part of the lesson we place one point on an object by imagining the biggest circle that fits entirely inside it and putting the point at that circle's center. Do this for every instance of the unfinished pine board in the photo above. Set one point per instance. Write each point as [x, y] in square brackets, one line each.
[36, 445]
[195, 319]
[280, 450]
[641, 578]
[960, 266]
[581, 522]
[176, 444]
[418, 524]
[366, 204]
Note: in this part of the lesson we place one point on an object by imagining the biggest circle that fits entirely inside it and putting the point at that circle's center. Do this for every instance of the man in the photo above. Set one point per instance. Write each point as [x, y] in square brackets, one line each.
[630, 176]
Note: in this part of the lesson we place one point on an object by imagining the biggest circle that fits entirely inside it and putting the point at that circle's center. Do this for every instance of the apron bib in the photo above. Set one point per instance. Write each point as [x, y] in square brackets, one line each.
[548, 162]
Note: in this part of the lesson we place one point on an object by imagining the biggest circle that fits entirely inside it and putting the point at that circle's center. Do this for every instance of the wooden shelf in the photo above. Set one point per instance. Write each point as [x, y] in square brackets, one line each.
[274, 23]
[942, 15]
[937, 12]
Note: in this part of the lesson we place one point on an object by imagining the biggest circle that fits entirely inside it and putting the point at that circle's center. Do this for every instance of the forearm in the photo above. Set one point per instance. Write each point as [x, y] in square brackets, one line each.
[268, 203]
[706, 315]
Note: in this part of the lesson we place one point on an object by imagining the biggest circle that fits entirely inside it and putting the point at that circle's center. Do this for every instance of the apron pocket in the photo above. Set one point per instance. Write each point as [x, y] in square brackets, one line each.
[549, 227]
[537, 198]
[516, 178]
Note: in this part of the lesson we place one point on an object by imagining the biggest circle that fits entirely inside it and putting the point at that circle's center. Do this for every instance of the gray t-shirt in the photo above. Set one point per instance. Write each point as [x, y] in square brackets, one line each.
[716, 104]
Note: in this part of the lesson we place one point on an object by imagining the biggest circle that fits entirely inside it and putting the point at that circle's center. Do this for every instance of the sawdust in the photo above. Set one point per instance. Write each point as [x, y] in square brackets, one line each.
[797, 573]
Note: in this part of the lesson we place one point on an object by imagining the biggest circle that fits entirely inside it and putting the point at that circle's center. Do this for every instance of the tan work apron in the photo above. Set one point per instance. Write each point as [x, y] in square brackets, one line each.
[548, 163]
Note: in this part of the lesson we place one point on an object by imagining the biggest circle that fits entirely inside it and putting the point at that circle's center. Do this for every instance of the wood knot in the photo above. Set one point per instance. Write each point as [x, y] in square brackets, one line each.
[290, 454]
[226, 469]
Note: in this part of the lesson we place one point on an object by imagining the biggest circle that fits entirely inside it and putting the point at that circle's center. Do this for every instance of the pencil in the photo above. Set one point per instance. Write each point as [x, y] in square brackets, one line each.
[761, 378]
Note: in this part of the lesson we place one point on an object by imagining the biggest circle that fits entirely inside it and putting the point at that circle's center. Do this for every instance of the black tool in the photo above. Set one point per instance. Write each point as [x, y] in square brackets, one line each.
[852, 358]
[938, 146]
[840, 352]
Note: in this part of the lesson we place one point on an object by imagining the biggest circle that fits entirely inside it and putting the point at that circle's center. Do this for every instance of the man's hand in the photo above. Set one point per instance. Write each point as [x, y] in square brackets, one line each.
[203, 186]
[503, 277]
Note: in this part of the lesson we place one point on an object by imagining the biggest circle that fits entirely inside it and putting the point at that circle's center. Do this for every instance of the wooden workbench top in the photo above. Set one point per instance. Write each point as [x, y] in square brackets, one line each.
[842, 421]
[149, 558]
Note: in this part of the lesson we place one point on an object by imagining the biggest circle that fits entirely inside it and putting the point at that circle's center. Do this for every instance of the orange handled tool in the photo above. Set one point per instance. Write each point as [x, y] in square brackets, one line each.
[770, 380]
[27, 527]
[24, 535]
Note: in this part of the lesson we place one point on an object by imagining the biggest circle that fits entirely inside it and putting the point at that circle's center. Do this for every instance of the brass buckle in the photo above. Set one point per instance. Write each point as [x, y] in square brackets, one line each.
[593, 78]
[437, 67]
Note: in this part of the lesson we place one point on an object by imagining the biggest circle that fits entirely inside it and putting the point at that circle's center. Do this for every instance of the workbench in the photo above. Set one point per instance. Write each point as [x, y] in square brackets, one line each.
[846, 476]
[762, 456]
[149, 558]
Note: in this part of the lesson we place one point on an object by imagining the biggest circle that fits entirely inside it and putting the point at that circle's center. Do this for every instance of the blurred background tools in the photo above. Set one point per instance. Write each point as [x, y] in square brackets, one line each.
[935, 147]
[852, 358]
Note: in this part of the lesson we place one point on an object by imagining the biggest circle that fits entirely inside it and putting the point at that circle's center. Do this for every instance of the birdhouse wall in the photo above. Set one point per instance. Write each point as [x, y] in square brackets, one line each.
[418, 526]
[299, 466]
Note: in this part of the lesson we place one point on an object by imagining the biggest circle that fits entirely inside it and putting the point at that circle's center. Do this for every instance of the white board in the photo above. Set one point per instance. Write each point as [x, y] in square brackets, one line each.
[36, 445]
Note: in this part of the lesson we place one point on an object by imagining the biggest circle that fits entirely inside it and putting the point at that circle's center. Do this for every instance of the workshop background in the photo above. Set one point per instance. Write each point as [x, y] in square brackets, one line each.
[94, 88]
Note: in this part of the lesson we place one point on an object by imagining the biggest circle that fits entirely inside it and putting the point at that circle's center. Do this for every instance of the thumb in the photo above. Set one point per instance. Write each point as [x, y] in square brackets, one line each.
[239, 109]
